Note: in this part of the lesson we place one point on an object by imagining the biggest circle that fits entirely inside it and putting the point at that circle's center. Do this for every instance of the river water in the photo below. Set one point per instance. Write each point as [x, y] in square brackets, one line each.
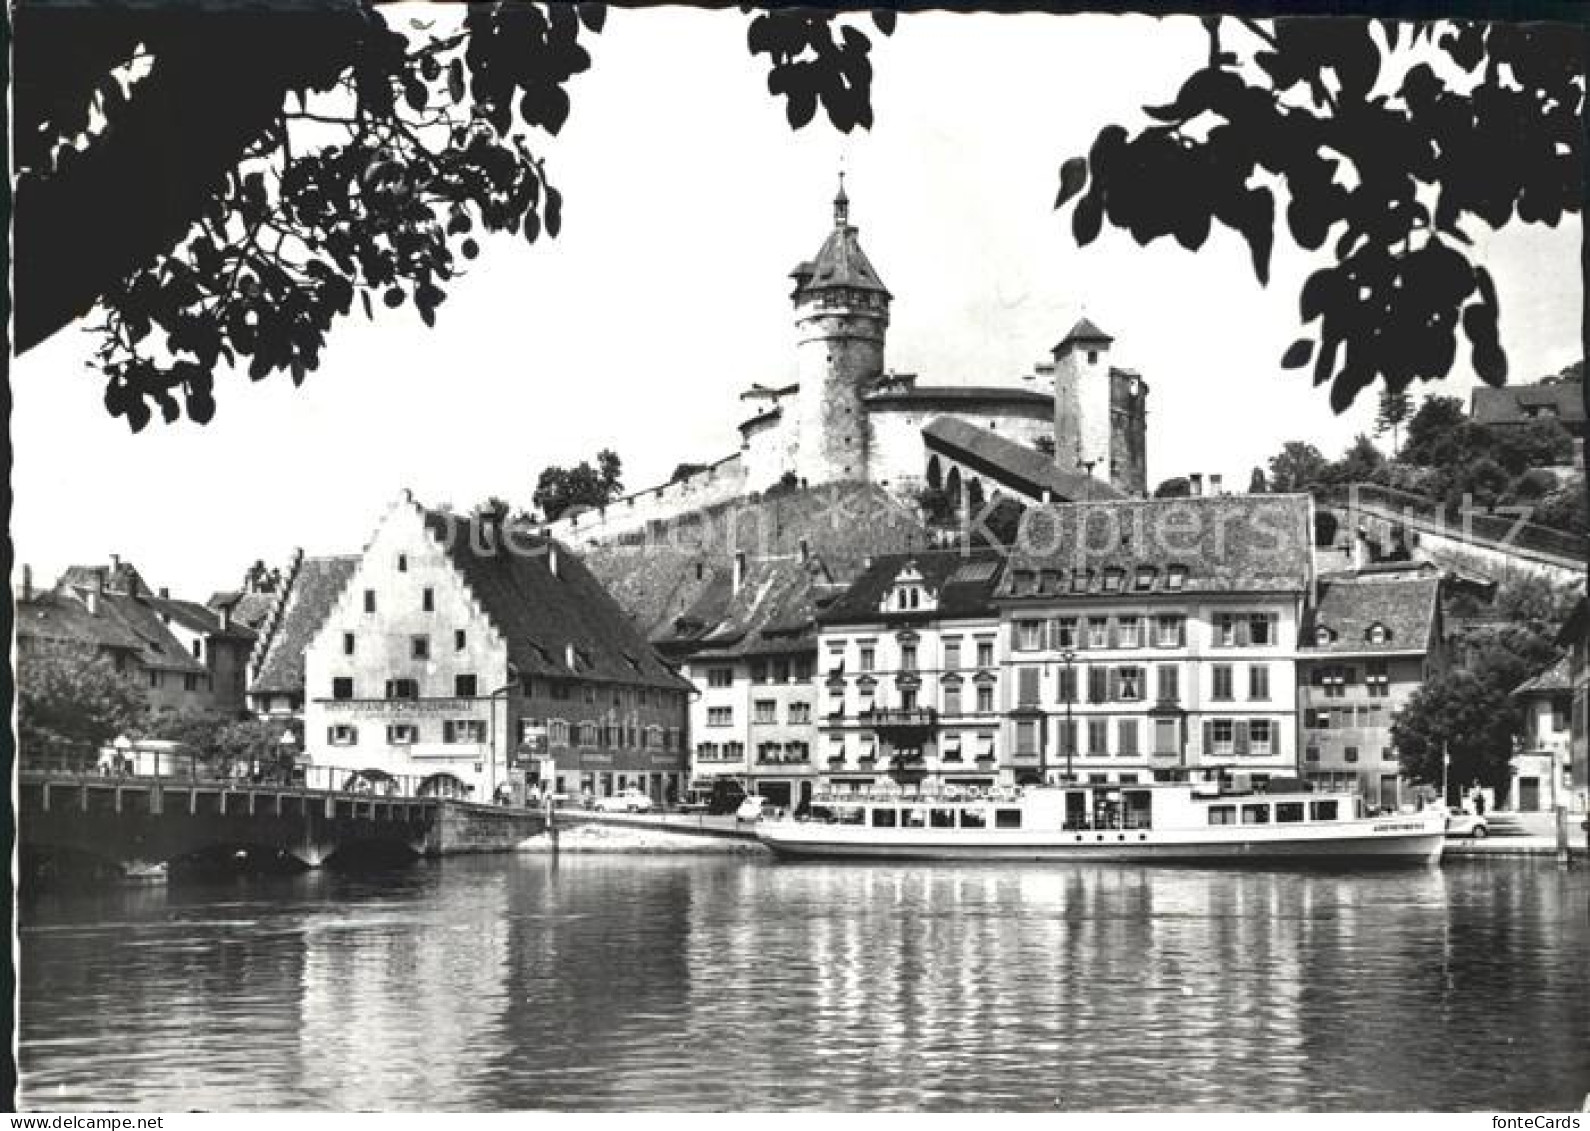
[625, 982]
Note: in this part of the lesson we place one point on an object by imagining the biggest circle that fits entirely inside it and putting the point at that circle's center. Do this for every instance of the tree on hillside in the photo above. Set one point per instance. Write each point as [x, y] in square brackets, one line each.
[1360, 136]
[560, 488]
[1175, 488]
[1257, 484]
[1298, 466]
[226, 183]
[197, 732]
[1435, 418]
[1567, 375]
[1362, 462]
[1395, 408]
[71, 702]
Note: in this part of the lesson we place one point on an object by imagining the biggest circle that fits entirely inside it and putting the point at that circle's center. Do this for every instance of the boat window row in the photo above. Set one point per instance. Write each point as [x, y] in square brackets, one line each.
[922, 817]
[1280, 813]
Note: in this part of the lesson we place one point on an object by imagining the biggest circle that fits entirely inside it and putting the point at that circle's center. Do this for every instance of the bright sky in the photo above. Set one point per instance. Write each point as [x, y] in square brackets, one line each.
[688, 200]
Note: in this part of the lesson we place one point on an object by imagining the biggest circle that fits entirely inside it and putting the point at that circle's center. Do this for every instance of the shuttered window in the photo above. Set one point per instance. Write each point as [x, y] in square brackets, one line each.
[1027, 686]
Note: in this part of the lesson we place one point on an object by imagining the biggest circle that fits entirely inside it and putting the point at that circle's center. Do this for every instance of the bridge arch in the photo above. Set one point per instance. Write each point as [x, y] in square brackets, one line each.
[443, 784]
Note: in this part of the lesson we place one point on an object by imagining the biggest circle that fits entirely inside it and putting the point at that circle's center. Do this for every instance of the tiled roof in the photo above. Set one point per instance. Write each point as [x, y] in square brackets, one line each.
[122, 577]
[1511, 403]
[1405, 604]
[157, 647]
[248, 608]
[542, 614]
[772, 612]
[199, 618]
[660, 578]
[1212, 543]
[1024, 469]
[1083, 331]
[1555, 680]
[311, 590]
[839, 263]
[962, 585]
[59, 618]
[959, 395]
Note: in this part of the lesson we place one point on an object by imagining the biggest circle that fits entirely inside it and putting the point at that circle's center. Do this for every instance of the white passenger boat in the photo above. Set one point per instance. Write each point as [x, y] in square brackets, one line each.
[1180, 822]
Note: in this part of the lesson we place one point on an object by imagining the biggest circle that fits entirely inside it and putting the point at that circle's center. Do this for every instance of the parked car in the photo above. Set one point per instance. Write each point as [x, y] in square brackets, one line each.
[624, 801]
[1468, 824]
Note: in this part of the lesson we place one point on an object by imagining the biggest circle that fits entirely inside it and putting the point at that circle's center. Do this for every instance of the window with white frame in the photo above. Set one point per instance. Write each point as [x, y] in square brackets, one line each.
[1377, 679]
[1131, 683]
[1168, 630]
[1029, 635]
[1223, 736]
[1098, 632]
[1065, 632]
[1130, 631]
[402, 734]
[1222, 682]
[985, 699]
[720, 677]
[766, 712]
[720, 716]
[800, 713]
[1258, 681]
[1261, 735]
[343, 735]
[985, 653]
[952, 654]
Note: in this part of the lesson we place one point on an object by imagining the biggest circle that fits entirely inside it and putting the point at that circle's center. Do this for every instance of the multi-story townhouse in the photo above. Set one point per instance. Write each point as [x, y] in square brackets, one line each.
[1147, 637]
[753, 717]
[1370, 641]
[908, 659]
[478, 658]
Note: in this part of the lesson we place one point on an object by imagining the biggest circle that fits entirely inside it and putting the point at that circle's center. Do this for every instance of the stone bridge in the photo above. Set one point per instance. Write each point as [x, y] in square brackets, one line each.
[141, 825]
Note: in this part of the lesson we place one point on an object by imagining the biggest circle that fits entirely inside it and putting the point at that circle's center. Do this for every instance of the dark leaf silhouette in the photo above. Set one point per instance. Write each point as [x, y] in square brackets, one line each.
[1073, 175]
[1298, 354]
[1492, 135]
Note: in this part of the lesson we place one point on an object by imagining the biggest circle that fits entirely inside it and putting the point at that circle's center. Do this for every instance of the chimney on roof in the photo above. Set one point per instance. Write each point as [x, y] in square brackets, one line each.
[1195, 484]
[115, 563]
[225, 613]
[165, 592]
[739, 570]
[99, 579]
[27, 582]
[1214, 484]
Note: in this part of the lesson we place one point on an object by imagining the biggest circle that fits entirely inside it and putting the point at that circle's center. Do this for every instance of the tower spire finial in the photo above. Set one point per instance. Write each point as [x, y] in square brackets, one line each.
[841, 203]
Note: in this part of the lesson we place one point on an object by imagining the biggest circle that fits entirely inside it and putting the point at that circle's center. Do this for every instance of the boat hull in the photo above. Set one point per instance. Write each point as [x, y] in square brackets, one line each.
[1363, 845]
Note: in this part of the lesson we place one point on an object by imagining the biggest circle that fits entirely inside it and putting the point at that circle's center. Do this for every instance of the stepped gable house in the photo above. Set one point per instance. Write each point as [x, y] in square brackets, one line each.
[296, 614]
[485, 659]
[847, 418]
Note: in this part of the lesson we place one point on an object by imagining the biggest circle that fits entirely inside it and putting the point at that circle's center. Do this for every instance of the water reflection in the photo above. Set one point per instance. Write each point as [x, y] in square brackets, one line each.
[604, 983]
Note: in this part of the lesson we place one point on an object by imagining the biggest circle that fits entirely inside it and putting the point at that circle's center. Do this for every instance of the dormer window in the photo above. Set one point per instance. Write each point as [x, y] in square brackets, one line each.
[1378, 634]
[1323, 635]
[1112, 580]
[1175, 578]
[1079, 580]
[1144, 579]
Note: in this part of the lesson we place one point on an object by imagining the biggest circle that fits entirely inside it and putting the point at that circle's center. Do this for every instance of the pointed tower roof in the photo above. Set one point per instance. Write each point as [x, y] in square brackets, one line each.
[1083, 331]
[840, 262]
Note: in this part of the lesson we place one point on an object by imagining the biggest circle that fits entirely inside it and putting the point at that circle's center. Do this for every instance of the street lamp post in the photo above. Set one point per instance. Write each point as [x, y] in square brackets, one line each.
[1068, 658]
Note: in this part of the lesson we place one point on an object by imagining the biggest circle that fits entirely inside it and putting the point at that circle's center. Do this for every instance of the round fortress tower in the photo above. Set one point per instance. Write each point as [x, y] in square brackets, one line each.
[841, 318]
